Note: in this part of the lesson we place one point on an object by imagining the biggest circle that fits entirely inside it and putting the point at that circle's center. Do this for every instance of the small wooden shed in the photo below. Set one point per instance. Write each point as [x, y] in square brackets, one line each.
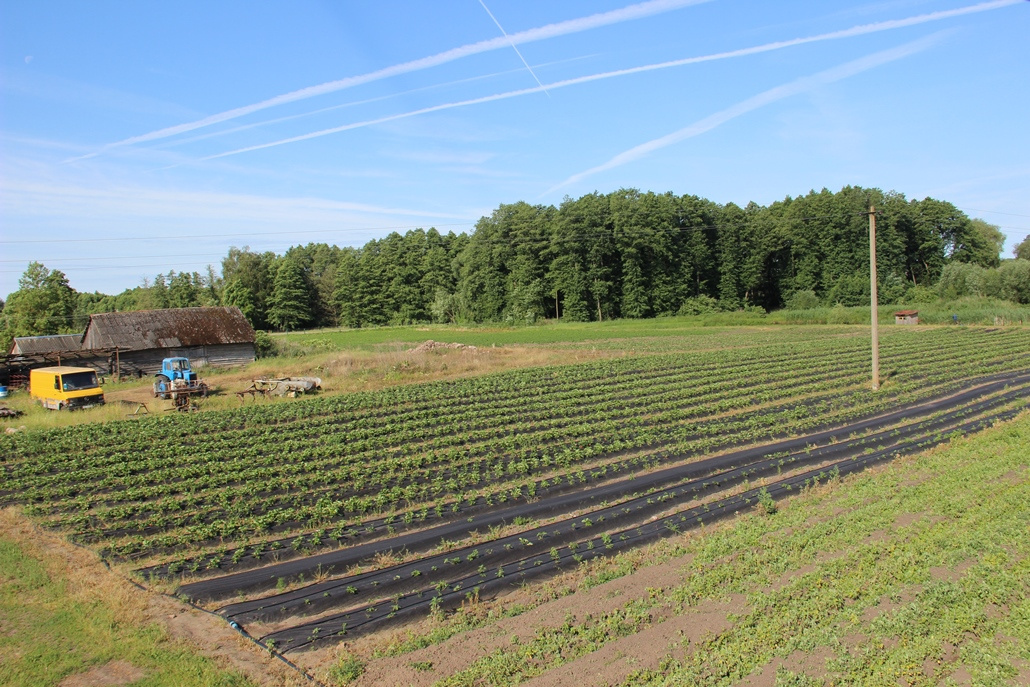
[52, 344]
[906, 317]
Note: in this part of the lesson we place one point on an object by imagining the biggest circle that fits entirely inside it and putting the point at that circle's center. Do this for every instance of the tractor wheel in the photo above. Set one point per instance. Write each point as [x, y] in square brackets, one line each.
[161, 386]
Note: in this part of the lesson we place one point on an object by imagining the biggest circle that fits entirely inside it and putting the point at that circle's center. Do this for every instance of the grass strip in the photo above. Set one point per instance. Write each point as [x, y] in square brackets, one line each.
[59, 622]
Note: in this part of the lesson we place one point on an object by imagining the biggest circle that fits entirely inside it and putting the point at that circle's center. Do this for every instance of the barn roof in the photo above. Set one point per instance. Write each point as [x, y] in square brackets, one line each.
[172, 328]
[53, 343]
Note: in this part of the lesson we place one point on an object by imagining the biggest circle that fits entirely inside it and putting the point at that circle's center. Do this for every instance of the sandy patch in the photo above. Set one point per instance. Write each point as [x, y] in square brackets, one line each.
[111, 673]
[946, 574]
[460, 651]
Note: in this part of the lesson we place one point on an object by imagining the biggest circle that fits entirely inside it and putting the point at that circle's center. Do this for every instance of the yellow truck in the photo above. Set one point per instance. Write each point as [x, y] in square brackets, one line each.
[58, 388]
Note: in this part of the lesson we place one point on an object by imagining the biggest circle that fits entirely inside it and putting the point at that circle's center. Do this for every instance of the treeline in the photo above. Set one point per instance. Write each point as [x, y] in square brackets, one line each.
[626, 254]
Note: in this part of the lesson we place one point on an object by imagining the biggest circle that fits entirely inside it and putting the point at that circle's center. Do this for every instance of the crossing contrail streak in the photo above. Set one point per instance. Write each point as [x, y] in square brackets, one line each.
[513, 46]
[741, 52]
[764, 98]
[628, 13]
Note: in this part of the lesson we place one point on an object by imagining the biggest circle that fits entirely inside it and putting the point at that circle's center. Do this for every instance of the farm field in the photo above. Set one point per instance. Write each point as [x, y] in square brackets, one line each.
[341, 519]
[914, 573]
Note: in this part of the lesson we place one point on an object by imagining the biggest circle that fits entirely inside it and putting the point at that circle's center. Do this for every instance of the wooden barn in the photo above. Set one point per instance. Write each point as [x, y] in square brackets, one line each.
[137, 342]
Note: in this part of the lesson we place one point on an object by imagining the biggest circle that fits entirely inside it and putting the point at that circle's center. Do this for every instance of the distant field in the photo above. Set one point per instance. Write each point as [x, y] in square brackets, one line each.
[544, 333]
[967, 312]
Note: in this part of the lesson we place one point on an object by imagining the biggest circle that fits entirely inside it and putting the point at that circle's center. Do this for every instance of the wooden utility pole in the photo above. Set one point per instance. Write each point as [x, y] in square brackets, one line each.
[873, 297]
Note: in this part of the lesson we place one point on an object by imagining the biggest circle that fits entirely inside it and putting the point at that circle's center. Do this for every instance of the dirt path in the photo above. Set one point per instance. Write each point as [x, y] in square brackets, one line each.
[460, 651]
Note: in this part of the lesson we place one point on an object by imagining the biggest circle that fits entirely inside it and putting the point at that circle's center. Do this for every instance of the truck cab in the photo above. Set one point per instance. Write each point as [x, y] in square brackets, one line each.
[59, 388]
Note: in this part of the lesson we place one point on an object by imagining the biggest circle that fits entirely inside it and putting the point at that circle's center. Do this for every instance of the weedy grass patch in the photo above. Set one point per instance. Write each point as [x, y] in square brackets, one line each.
[56, 624]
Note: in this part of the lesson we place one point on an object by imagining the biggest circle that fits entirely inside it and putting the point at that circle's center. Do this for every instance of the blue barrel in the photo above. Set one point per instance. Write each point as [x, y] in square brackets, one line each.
[3, 392]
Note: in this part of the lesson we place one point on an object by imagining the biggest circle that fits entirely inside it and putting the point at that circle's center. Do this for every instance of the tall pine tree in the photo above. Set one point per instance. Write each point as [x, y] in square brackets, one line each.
[290, 302]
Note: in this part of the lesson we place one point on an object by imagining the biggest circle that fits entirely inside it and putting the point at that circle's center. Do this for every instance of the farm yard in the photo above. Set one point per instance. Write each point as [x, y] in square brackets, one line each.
[575, 519]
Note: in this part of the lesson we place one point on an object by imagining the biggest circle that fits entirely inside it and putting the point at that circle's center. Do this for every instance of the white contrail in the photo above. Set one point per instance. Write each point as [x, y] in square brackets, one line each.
[637, 11]
[513, 46]
[354, 103]
[772, 95]
[742, 52]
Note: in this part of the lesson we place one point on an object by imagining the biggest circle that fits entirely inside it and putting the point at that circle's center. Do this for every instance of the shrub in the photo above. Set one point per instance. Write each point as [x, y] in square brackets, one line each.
[839, 315]
[851, 289]
[264, 346]
[699, 305]
[1015, 280]
[804, 299]
[920, 294]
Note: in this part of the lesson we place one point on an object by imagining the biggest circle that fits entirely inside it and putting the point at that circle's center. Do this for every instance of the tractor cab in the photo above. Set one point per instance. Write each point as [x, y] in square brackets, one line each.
[177, 368]
[177, 378]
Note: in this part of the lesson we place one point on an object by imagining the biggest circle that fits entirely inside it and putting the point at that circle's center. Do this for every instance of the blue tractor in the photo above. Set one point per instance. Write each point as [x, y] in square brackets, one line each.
[177, 380]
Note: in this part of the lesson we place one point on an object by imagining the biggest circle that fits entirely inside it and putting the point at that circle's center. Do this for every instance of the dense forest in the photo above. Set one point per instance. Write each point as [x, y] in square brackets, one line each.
[627, 254]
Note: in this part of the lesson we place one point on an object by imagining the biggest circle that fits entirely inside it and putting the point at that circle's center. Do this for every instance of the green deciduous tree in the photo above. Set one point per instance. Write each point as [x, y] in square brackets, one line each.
[1022, 249]
[43, 304]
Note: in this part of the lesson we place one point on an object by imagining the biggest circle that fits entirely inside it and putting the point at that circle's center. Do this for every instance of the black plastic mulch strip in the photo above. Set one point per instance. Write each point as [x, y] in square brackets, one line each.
[333, 629]
[339, 560]
[319, 597]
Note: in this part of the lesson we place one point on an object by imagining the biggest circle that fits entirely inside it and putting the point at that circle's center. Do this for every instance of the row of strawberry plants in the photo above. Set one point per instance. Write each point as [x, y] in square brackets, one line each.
[432, 397]
[345, 462]
[429, 412]
[717, 434]
[245, 457]
[414, 484]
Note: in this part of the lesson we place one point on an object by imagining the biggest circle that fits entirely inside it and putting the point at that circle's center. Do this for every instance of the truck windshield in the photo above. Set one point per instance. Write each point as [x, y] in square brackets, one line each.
[79, 380]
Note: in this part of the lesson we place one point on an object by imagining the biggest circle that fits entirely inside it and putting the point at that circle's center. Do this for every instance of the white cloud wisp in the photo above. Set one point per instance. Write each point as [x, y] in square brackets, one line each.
[796, 87]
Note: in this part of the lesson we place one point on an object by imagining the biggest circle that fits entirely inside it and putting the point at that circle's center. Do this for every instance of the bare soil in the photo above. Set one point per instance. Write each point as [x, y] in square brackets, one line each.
[460, 651]
[111, 673]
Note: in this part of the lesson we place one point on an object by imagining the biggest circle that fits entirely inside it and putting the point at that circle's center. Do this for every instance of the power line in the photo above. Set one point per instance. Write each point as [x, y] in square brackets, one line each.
[123, 257]
[118, 267]
[995, 212]
[179, 237]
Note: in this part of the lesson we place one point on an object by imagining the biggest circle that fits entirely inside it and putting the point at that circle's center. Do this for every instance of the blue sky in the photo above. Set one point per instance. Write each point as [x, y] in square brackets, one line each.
[136, 138]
